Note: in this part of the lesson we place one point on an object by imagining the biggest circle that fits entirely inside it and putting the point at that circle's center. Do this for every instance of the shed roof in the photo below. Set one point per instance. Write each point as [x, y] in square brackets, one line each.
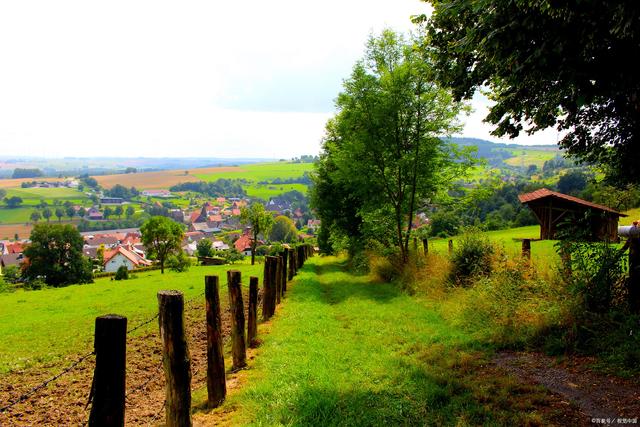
[544, 193]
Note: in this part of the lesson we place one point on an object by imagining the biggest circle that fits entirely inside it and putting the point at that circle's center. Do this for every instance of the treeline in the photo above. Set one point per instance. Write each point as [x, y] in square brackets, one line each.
[304, 179]
[85, 225]
[122, 192]
[26, 173]
[219, 188]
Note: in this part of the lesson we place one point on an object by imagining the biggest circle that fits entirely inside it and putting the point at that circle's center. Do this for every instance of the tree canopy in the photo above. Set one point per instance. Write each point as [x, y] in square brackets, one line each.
[383, 155]
[260, 222]
[161, 237]
[548, 64]
[55, 254]
[283, 230]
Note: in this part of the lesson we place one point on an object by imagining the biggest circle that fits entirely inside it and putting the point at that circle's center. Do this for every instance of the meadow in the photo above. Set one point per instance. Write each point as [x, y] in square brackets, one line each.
[39, 327]
[526, 157]
[31, 197]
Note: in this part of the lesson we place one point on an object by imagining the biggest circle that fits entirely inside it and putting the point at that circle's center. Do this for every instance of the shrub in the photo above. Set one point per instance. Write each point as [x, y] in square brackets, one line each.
[122, 273]
[472, 258]
[11, 273]
[232, 255]
[5, 287]
[35, 284]
[179, 262]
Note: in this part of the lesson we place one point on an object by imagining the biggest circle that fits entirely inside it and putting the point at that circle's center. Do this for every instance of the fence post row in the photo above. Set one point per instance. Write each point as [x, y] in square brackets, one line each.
[216, 381]
[238, 349]
[284, 254]
[270, 267]
[109, 376]
[176, 358]
[526, 249]
[279, 267]
[291, 261]
[252, 327]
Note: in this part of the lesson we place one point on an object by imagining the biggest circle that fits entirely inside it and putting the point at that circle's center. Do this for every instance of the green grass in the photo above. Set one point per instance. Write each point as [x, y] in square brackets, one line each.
[344, 350]
[16, 215]
[634, 214]
[42, 326]
[528, 157]
[255, 173]
[33, 196]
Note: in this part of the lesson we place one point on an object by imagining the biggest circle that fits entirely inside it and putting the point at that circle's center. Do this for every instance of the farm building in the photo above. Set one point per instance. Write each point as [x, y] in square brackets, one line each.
[551, 208]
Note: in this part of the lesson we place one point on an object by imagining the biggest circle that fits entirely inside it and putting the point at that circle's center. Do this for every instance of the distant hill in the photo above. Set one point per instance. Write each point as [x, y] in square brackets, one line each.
[503, 155]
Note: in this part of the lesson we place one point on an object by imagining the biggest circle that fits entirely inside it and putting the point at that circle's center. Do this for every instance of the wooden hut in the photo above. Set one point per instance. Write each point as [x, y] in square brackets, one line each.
[551, 208]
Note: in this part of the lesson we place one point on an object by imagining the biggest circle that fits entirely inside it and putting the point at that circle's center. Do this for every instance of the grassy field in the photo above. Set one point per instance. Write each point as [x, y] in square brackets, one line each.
[32, 197]
[344, 350]
[528, 157]
[41, 326]
[634, 214]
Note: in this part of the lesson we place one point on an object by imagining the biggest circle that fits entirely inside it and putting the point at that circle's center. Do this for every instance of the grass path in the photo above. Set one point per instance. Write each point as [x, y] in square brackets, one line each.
[344, 350]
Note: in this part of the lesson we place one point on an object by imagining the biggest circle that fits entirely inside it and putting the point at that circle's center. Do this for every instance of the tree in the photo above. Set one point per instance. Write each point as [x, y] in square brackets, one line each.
[283, 230]
[548, 64]
[162, 237]
[260, 221]
[71, 212]
[82, 212]
[572, 182]
[35, 216]
[204, 248]
[107, 212]
[59, 213]
[384, 145]
[119, 211]
[55, 255]
[46, 214]
[13, 202]
[130, 211]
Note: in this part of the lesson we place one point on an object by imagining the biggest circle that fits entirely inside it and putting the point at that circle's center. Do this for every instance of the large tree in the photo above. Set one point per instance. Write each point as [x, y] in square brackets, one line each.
[260, 222]
[562, 64]
[55, 254]
[161, 237]
[383, 150]
[283, 230]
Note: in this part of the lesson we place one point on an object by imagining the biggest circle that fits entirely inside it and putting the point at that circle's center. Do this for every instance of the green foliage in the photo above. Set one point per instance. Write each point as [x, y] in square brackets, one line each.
[204, 248]
[572, 183]
[472, 258]
[122, 192]
[122, 273]
[260, 221]
[161, 237]
[5, 287]
[232, 256]
[218, 188]
[179, 262]
[13, 202]
[55, 255]
[26, 173]
[548, 64]
[283, 230]
[11, 273]
[444, 223]
[383, 152]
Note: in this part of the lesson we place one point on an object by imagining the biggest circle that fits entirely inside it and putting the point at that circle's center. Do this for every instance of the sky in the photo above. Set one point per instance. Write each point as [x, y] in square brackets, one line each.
[186, 79]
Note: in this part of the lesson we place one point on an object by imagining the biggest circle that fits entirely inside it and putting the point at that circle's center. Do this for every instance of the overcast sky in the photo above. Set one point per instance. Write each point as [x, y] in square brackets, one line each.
[195, 78]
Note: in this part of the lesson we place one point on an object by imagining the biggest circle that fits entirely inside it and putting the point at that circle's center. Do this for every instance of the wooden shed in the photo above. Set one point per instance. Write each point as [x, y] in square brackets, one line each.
[551, 208]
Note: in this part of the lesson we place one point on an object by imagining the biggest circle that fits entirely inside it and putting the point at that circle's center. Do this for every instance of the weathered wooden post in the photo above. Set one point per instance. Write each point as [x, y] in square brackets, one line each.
[252, 327]
[526, 249]
[216, 381]
[285, 255]
[415, 244]
[425, 245]
[238, 349]
[634, 274]
[268, 298]
[450, 246]
[300, 256]
[292, 263]
[279, 279]
[175, 358]
[109, 375]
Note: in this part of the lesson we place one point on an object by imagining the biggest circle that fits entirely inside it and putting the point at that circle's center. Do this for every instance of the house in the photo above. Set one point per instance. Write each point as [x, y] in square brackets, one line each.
[94, 214]
[243, 244]
[10, 259]
[219, 245]
[156, 193]
[312, 224]
[131, 259]
[221, 200]
[551, 208]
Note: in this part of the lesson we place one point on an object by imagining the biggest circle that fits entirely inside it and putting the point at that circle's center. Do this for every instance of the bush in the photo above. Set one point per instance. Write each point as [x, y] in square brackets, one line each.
[472, 258]
[11, 273]
[35, 284]
[5, 287]
[122, 273]
[179, 262]
[233, 255]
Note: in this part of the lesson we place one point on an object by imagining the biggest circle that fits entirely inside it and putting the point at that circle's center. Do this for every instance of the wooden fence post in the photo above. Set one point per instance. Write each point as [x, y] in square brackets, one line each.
[292, 263]
[415, 244]
[526, 249]
[300, 257]
[109, 376]
[284, 254]
[216, 381]
[176, 359]
[634, 274]
[252, 327]
[425, 245]
[238, 349]
[269, 286]
[450, 246]
[278, 279]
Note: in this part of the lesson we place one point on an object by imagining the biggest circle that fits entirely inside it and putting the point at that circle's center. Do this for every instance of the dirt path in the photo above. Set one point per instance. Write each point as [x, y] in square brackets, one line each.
[598, 396]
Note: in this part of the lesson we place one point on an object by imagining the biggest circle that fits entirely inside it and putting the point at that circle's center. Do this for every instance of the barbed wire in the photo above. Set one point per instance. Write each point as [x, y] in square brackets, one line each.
[42, 385]
[156, 416]
[146, 383]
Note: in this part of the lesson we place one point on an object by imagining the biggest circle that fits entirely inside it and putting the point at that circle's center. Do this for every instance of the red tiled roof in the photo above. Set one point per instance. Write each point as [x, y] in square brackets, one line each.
[243, 243]
[544, 192]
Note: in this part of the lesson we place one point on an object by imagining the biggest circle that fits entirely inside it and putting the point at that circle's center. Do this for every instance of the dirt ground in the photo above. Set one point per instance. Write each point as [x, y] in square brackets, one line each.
[600, 399]
[64, 402]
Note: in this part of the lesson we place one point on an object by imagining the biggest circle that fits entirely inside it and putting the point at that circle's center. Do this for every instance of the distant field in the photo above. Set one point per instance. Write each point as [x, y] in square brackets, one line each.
[528, 157]
[33, 196]
[41, 326]
[15, 183]
[160, 179]
[8, 231]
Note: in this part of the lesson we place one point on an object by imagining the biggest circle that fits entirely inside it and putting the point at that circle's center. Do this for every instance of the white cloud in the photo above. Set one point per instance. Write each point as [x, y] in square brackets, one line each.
[198, 78]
